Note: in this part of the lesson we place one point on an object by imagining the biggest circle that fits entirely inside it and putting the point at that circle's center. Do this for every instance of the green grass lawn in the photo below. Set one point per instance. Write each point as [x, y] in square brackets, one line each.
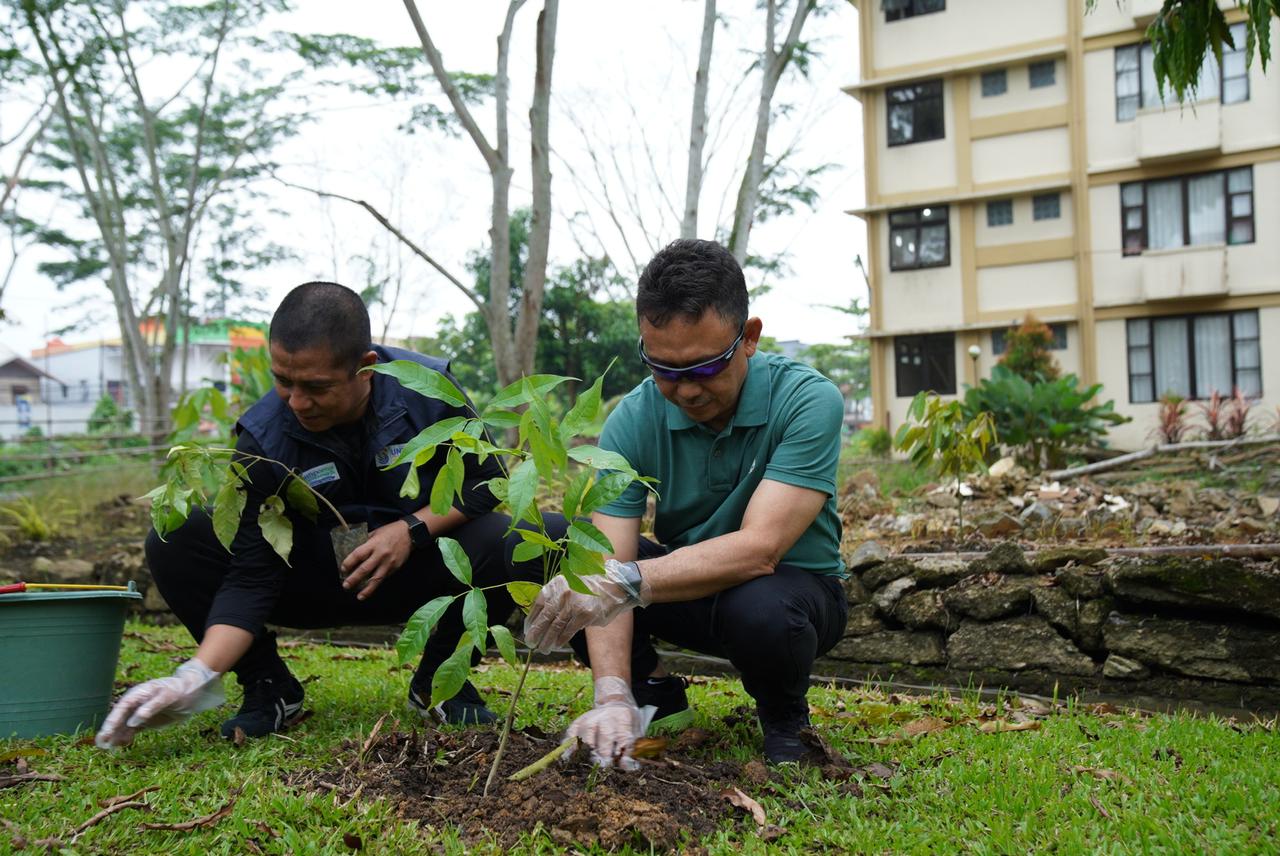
[1082, 781]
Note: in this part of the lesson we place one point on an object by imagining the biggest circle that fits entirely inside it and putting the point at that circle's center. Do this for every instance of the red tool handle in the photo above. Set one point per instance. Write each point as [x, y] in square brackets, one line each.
[13, 587]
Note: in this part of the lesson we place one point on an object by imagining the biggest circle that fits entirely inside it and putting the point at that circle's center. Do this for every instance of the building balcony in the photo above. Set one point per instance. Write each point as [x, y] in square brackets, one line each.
[1167, 133]
[1184, 272]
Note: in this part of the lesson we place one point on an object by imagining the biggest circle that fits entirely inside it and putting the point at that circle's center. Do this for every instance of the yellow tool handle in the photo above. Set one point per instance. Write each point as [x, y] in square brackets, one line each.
[78, 587]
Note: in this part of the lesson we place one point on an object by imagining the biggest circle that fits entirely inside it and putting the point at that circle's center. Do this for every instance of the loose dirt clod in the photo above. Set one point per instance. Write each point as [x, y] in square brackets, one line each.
[436, 777]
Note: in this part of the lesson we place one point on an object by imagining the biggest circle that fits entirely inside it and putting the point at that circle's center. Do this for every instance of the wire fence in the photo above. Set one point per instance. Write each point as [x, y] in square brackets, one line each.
[40, 458]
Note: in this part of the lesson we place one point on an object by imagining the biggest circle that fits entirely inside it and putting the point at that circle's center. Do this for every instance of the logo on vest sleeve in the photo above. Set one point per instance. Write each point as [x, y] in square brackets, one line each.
[388, 454]
[322, 474]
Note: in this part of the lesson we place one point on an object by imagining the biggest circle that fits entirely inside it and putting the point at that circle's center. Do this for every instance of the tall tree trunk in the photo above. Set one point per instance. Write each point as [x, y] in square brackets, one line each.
[773, 63]
[535, 272]
[698, 124]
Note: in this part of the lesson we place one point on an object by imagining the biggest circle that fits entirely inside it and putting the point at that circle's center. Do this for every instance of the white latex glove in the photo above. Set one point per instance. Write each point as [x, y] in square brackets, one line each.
[191, 688]
[559, 612]
[612, 727]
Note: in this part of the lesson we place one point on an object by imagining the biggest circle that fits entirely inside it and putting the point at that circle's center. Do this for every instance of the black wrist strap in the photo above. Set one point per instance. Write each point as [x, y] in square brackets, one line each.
[419, 534]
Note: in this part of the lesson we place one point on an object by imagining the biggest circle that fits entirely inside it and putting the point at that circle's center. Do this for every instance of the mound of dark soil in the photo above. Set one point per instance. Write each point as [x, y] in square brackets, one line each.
[437, 778]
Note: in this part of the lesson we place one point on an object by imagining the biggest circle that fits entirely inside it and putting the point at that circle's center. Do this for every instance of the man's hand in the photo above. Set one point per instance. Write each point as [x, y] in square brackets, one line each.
[613, 726]
[373, 561]
[559, 612]
[192, 687]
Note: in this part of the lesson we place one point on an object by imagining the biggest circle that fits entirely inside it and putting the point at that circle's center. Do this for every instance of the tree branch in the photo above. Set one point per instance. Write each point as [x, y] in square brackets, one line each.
[698, 124]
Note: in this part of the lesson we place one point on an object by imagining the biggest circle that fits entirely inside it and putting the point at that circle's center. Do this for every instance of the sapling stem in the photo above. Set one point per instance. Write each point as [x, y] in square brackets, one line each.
[506, 725]
[544, 762]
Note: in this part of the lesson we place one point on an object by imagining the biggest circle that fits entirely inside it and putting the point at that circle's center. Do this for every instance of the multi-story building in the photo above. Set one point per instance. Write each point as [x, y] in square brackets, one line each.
[1020, 160]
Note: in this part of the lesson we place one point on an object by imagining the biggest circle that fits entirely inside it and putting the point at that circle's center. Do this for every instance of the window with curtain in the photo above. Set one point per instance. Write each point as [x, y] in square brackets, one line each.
[1189, 210]
[1194, 355]
[1136, 77]
[915, 113]
[925, 363]
[919, 238]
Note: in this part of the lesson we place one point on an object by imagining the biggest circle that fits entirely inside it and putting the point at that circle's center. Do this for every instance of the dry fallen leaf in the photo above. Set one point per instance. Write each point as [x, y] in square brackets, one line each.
[876, 770]
[352, 841]
[1102, 811]
[649, 747]
[22, 752]
[747, 804]
[1100, 773]
[110, 801]
[238, 737]
[999, 726]
[25, 778]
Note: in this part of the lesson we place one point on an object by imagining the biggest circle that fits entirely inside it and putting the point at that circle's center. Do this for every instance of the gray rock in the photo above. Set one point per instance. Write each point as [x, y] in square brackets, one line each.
[887, 598]
[1123, 668]
[1059, 608]
[1015, 644]
[1082, 582]
[892, 646]
[997, 524]
[924, 610]
[868, 553]
[936, 572]
[153, 601]
[69, 571]
[886, 572]
[1192, 582]
[988, 597]
[1037, 514]
[854, 590]
[942, 500]
[1199, 649]
[1004, 558]
[1071, 527]
[1093, 616]
[1056, 557]
[863, 619]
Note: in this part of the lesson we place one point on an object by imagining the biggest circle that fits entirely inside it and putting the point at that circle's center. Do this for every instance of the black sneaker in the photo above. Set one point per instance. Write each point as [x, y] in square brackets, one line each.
[465, 708]
[269, 705]
[782, 743]
[668, 696]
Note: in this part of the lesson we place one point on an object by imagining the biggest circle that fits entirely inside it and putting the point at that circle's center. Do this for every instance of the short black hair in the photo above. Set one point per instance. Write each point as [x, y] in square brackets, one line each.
[686, 278]
[323, 315]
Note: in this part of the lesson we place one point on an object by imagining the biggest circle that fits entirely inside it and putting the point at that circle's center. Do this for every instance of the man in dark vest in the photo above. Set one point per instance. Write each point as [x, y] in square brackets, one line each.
[337, 427]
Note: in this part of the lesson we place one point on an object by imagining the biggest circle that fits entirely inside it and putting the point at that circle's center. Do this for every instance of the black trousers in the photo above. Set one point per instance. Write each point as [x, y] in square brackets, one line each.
[771, 629]
[190, 565]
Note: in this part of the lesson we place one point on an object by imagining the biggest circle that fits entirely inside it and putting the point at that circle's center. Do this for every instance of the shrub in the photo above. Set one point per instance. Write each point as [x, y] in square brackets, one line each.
[946, 437]
[1027, 352]
[1214, 413]
[1040, 422]
[874, 441]
[1237, 421]
[1172, 424]
[109, 418]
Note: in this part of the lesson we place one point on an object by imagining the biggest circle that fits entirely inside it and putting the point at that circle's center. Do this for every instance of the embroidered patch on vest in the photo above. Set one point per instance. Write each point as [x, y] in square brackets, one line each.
[322, 474]
[389, 454]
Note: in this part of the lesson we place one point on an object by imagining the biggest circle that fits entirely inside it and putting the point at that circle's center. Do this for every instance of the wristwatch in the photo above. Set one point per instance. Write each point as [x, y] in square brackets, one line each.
[419, 535]
[629, 578]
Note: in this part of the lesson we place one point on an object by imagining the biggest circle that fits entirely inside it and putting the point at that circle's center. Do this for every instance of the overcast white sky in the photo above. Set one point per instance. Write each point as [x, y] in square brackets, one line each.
[622, 84]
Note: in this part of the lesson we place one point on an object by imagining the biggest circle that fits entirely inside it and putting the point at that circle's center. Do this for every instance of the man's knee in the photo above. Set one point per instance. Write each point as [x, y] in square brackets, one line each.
[763, 615]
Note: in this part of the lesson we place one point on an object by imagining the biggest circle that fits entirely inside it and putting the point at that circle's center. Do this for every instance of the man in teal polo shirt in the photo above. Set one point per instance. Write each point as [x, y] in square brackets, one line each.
[746, 564]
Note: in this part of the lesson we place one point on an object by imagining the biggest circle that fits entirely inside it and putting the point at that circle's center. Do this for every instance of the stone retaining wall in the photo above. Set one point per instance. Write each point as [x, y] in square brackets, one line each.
[1167, 631]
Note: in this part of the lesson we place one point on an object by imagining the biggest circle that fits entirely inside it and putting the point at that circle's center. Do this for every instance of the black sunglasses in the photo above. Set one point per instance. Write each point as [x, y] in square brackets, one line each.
[699, 371]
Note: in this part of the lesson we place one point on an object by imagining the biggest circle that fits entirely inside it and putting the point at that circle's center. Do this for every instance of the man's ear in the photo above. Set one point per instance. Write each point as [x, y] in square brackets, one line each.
[369, 358]
[751, 336]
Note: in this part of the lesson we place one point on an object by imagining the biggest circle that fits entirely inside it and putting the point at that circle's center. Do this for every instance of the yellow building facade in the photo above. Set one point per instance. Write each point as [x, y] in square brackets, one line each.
[1020, 160]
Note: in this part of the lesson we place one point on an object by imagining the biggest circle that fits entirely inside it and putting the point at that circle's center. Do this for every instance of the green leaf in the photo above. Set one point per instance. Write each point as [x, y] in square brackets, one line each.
[576, 584]
[428, 438]
[537, 537]
[276, 527]
[498, 487]
[583, 561]
[605, 491]
[475, 617]
[601, 459]
[573, 493]
[301, 499]
[455, 559]
[457, 470]
[418, 629]
[523, 593]
[522, 488]
[514, 394]
[227, 509]
[586, 535]
[501, 419]
[526, 551]
[452, 673]
[443, 490]
[422, 380]
[583, 413]
[506, 644]
[411, 486]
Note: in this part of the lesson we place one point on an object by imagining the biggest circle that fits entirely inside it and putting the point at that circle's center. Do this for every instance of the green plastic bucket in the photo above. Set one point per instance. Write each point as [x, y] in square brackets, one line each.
[58, 655]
